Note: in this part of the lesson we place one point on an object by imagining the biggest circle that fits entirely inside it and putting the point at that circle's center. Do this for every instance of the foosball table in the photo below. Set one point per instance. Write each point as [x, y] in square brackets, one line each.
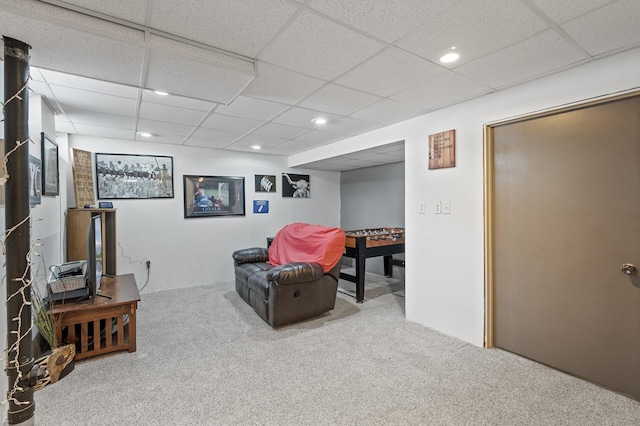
[364, 243]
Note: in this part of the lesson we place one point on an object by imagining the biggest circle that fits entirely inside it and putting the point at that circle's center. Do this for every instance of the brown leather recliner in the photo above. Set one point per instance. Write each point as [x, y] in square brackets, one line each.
[292, 291]
[287, 293]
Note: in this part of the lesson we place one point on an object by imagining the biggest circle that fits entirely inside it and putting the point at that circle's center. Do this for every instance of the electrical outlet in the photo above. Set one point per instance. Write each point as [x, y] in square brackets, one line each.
[437, 207]
[421, 207]
[148, 264]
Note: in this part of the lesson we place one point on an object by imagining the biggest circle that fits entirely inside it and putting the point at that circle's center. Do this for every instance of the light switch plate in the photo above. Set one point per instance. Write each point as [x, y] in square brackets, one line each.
[446, 207]
[421, 207]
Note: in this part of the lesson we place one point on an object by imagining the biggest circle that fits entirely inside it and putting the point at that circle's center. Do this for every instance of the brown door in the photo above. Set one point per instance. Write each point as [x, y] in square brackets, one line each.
[566, 217]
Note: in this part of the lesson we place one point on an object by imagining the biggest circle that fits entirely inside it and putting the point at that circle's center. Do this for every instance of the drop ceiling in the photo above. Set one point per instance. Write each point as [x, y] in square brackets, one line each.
[256, 72]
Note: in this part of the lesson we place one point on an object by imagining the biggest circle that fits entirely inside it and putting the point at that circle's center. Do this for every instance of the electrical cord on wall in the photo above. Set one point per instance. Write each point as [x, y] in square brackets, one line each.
[144, 261]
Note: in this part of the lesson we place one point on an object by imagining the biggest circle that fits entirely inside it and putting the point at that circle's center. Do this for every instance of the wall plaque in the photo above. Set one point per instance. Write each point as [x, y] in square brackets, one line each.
[83, 178]
[442, 150]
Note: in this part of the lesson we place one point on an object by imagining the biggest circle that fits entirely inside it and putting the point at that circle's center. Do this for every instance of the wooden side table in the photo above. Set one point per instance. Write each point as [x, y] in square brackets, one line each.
[100, 325]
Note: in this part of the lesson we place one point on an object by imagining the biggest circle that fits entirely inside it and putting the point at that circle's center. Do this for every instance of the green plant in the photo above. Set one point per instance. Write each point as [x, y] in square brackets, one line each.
[43, 318]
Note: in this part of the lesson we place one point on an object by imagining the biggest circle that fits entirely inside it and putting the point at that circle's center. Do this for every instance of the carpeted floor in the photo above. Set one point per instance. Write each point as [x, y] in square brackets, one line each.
[205, 358]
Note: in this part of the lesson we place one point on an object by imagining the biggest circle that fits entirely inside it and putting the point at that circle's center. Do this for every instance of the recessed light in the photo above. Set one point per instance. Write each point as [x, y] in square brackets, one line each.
[145, 134]
[256, 147]
[450, 56]
[319, 121]
[158, 92]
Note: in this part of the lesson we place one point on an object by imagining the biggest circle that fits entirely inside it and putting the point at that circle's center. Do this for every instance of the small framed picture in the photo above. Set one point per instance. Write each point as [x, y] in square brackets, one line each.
[265, 183]
[35, 180]
[296, 186]
[50, 171]
[206, 196]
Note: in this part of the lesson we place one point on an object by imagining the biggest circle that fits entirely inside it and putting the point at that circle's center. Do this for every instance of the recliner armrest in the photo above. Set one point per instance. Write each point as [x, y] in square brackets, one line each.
[250, 255]
[295, 272]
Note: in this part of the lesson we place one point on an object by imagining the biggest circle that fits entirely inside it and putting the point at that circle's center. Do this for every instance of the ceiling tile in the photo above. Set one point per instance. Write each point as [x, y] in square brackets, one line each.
[301, 117]
[96, 102]
[253, 139]
[216, 143]
[239, 26]
[104, 132]
[76, 52]
[256, 109]
[318, 137]
[163, 128]
[63, 126]
[441, 91]
[308, 41]
[349, 126]
[609, 28]
[128, 10]
[172, 74]
[291, 147]
[219, 136]
[230, 124]
[279, 131]
[81, 116]
[281, 85]
[387, 111]
[177, 101]
[475, 28]
[170, 114]
[89, 84]
[338, 100]
[562, 11]
[539, 55]
[388, 20]
[390, 72]
[159, 138]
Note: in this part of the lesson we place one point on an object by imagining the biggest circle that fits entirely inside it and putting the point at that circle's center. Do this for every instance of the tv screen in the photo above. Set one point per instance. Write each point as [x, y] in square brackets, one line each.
[94, 255]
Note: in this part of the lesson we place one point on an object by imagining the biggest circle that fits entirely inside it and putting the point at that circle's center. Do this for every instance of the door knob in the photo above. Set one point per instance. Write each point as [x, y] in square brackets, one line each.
[629, 269]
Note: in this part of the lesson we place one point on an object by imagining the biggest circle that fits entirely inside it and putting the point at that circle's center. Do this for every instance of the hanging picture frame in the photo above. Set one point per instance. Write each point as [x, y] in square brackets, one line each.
[296, 186]
[206, 196]
[35, 180]
[50, 164]
[83, 178]
[133, 176]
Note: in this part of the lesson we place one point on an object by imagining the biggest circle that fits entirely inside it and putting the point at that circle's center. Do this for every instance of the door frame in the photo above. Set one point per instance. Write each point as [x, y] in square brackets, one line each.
[489, 195]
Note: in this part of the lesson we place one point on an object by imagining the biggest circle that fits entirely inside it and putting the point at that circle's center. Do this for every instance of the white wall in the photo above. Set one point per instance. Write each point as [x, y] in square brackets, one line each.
[197, 251]
[445, 253]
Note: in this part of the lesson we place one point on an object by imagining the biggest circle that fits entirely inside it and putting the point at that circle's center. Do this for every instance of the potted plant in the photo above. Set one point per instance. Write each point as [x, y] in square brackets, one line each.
[59, 360]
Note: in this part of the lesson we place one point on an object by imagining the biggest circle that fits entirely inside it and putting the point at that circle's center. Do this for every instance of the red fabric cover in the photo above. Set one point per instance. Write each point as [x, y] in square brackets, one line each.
[301, 242]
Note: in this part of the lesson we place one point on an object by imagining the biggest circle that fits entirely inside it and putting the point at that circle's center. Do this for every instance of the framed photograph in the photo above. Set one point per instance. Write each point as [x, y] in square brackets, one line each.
[265, 183]
[206, 196]
[35, 180]
[50, 173]
[296, 186]
[127, 176]
[82, 178]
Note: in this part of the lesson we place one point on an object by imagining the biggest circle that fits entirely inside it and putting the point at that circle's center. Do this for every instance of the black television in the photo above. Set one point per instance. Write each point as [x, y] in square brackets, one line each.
[94, 255]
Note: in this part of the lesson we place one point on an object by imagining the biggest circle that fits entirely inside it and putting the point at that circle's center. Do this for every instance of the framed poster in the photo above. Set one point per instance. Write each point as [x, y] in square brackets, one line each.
[132, 176]
[442, 150]
[296, 186]
[35, 180]
[265, 183]
[206, 196]
[83, 178]
[50, 173]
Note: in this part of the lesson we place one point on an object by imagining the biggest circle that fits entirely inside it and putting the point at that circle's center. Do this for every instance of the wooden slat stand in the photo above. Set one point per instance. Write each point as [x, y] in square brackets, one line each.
[101, 325]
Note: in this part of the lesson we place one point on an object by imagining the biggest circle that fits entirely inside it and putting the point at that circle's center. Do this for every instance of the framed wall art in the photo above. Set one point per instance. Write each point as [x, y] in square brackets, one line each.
[296, 186]
[83, 178]
[132, 176]
[442, 150]
[35, 180]
[206, 196]
[50, 171]
[265, 183]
